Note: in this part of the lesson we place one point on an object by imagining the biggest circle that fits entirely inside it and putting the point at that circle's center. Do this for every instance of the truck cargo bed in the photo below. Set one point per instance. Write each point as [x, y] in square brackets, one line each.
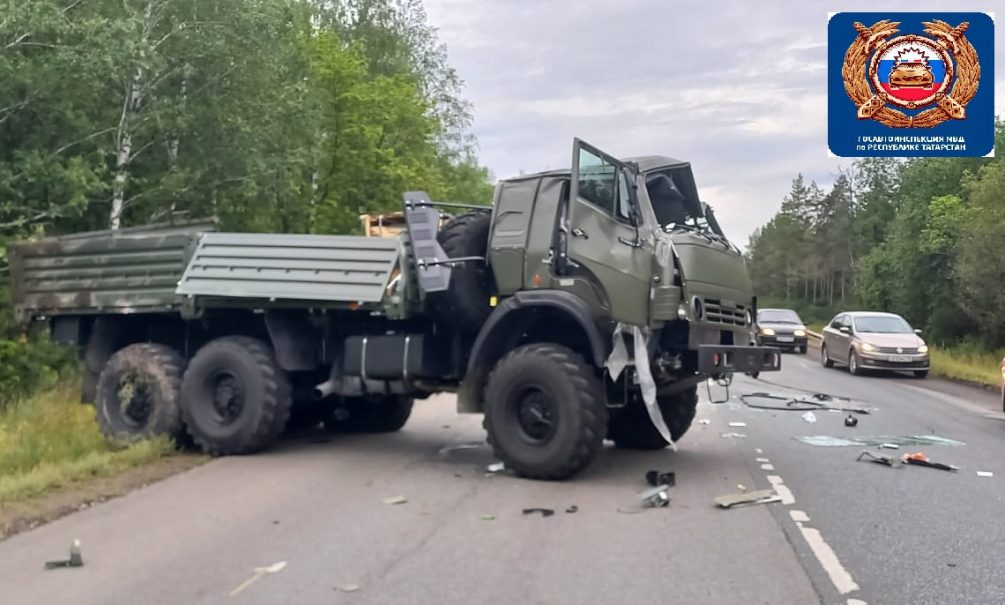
[273, 267]
[125, 271]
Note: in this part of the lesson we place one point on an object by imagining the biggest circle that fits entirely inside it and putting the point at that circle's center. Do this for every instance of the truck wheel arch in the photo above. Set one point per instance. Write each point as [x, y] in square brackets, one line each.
[502, 333]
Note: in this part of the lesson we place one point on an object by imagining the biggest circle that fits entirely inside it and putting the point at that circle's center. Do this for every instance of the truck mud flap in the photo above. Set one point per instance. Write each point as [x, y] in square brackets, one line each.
[719, 359]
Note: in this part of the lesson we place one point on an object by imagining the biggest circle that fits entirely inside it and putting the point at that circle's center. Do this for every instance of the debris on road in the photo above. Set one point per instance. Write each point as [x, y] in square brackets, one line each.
[545, 512]
[667, 478]
[496, 467]
[741, 487]
[761, 496]
[985, 474]
[920, 459]
[259, 572]
[488, 517]
[395, 500]
[572, 509]
[889, 446]
[75, 560]
[738, 425]
[705, 421]
[879, 441]
[349, 587]
[449, 449]
[810, 417]
[732, 435]
[851, 421]
[884, 460]
[817, 401]
[656, 497]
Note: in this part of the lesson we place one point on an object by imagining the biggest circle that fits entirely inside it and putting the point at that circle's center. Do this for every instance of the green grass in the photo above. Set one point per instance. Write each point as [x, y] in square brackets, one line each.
[967, 363]
[51, 440]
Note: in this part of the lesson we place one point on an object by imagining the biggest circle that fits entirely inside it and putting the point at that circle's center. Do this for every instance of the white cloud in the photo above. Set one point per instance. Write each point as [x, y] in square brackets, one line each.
[738, 89]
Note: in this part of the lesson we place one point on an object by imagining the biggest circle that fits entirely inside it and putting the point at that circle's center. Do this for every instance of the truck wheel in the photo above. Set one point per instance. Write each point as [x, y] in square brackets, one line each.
[467, 301]
[139, 393]
[633, 429]
[374, 415]
[236, 398]
[544, 412]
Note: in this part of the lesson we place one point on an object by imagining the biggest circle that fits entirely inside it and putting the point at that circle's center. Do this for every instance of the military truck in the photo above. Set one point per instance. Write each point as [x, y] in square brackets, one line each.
[551, 313]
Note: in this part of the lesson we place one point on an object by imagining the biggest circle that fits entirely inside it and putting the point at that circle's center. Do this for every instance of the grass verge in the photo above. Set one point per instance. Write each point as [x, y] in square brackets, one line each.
[968, 364]
[50, 440]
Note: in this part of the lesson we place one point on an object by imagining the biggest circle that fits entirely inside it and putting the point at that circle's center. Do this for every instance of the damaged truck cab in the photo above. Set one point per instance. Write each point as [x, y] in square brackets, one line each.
[584, 305]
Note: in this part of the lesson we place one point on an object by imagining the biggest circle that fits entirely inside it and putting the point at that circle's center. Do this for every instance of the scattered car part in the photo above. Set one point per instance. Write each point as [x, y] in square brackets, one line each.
[851, 421]
[259, 572]
[884, 460]
[545, 512]
[985, 474]
[920, 459]
[75, 560]
[810, 417]
[762, 496]
[395, 500]
[667, 478]
[572, 509]
[656, 497]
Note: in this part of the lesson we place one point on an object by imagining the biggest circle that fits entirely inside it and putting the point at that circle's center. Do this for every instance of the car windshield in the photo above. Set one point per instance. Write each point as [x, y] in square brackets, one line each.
[882, 324]
[778, 316]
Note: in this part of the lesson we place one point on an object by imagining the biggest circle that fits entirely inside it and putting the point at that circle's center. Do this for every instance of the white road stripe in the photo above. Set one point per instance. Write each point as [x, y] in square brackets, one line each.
[762, 459]
[839, 576]
[781, 489]
[856, 602]
[758, 450]
[768, 467]
[799, 516]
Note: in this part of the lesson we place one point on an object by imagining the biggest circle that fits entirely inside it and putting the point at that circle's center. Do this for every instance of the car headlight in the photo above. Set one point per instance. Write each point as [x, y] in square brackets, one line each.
[800, 332]
[923, 349]
[767, 332]
[868, 347]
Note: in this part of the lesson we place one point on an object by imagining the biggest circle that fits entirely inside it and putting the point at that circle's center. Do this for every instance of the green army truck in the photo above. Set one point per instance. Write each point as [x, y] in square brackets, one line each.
[584, 304]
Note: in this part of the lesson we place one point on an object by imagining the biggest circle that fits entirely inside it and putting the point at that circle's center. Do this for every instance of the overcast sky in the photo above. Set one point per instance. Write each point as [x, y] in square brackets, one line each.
[737, 88]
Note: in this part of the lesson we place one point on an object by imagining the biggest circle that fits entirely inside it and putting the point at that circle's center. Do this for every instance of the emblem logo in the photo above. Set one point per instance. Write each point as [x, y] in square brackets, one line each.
[884, 73]
[900, 349]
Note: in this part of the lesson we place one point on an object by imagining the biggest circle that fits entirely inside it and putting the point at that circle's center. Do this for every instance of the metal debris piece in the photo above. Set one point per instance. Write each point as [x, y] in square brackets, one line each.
[545, 512]
[737, 424]
[496, 467]
[395, 500]
[885, 460]
[810, 417]
[349, 587]
[851, 421]
[985, 474]
[920, 459]
[572, 509]
[75, 560]
[656, 497]
[732, 435]
[667, 478]
[817, 401]
[889, 446]
[761, 496]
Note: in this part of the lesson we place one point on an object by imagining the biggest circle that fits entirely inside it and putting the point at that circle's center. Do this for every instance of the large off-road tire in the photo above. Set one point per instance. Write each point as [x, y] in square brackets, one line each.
[825, 357]
[236, 398]
[466, 303]
[139, 394]
[544, 412]
[632, 428]
[383, 414]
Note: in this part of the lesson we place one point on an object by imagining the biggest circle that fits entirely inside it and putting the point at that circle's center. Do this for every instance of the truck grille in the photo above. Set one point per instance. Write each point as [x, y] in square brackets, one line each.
[720, 311]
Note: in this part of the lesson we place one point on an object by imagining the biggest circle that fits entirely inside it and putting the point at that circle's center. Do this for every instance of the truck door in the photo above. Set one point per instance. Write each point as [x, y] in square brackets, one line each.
[605, 241]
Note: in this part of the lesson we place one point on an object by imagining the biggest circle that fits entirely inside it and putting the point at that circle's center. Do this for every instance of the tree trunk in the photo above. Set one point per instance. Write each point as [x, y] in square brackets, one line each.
[124, 137]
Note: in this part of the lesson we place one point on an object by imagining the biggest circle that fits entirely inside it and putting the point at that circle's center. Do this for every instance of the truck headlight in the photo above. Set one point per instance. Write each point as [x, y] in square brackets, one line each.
[868, 347]
[699, 311]
[767, 332]
[800, 332]
[682, 312]
[923, 349]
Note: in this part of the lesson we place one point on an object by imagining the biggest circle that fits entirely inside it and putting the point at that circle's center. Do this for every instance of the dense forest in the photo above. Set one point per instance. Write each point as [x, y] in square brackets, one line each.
[924, 238]
[272, 115]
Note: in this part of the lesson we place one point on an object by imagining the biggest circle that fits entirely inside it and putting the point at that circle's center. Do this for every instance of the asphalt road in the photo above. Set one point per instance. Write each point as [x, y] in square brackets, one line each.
[847, 532]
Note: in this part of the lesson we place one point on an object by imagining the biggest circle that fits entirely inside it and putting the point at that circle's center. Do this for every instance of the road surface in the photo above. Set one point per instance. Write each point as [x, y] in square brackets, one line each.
[847, 532]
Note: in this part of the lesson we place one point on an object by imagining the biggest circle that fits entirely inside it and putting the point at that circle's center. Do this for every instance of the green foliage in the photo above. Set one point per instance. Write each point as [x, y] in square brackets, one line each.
[922, 238]
[28, 366]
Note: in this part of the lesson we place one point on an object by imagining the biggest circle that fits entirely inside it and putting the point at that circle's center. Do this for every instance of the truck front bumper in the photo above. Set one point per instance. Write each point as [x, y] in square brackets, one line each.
[723, 359]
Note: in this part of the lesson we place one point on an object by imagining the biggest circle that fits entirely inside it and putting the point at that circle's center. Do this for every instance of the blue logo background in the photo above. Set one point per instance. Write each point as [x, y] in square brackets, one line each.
[843, 126]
